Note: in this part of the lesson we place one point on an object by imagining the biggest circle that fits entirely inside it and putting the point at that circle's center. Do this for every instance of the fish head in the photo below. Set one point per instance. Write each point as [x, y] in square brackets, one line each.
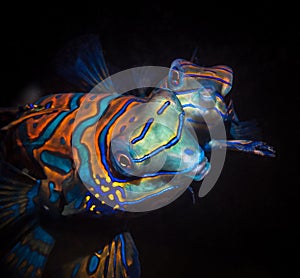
[186, 75]
[200, 90]
[153, 150]
[140, 154]
[153, 138]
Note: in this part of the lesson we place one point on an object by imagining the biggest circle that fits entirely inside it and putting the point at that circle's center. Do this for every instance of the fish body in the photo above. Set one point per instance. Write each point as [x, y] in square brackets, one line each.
[103, 154]
[49, 141]
[92, 154]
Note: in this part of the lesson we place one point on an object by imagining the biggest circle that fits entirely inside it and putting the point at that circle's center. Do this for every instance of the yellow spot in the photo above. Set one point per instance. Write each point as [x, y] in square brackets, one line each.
[97, 181]
[111, 196]
[92, 207]
[115, 184]
[108, 180]
[98, 212]
[119, 195]
[84, 206]
[116, 206]
[103, 202]
[104, 188]
[92, 189]
[97, 195]
[87, 198]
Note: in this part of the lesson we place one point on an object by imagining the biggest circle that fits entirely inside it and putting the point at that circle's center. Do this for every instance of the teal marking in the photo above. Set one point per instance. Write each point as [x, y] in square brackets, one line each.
[54, 195]
[56, 162]
[74, 193]
[93, 264]
[71, 121]
[78, 202]
[42, 235]
[189, 151]
[62, 141]
[84, 169]
[33, 192]
[123, 251]
[75, 270]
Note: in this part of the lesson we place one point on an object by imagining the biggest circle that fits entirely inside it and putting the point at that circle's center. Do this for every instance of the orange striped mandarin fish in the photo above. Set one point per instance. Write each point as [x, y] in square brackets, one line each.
[96, 154]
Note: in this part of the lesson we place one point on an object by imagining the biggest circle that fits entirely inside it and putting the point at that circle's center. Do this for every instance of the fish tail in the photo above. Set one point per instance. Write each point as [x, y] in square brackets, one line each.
[18, 195]
[27, 246]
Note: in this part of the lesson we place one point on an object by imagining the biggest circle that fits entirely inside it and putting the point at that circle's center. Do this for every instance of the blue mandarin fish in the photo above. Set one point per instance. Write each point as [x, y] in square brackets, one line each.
[103, 154]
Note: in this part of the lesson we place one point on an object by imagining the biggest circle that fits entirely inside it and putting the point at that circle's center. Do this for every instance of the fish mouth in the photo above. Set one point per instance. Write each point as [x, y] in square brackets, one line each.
[200, 170]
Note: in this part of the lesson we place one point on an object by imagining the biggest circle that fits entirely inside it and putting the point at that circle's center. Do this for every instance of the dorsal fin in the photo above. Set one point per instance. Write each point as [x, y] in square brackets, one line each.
[82, 63]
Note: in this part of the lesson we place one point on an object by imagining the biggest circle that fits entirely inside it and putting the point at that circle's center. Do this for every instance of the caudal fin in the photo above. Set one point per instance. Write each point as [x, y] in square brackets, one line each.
[26, 245]
[18, 195]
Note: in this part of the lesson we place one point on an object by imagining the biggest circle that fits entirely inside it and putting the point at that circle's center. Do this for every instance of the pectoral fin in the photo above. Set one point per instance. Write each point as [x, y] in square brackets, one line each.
[255, 147]
[119, 259]
[28, 257]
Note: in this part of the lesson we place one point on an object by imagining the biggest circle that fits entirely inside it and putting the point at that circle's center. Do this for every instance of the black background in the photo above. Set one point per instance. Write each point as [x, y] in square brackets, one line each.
[242, 227]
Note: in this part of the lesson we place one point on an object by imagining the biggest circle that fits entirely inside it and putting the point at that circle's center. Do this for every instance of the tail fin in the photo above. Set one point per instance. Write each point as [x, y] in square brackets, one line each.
[27, 245]
[18, 195]
[119, 258]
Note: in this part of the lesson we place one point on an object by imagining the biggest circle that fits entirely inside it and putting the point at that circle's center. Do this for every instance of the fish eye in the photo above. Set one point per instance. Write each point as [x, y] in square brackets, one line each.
[175, 77]
[124, 160]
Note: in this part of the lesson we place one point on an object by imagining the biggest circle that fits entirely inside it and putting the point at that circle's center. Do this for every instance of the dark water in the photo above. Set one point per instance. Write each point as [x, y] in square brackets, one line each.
[242, 227]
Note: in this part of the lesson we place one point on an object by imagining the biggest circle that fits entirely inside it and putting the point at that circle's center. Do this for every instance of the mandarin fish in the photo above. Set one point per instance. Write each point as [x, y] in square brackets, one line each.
[103, 154]
[204, 95]
[98, 154]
